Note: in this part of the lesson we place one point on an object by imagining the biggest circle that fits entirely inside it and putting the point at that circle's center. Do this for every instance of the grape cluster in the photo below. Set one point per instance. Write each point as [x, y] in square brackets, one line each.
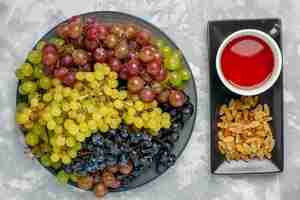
[100, 103]
[116, 159]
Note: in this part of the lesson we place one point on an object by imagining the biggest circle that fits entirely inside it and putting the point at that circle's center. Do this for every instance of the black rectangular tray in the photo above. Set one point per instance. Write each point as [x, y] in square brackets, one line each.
[217, 32]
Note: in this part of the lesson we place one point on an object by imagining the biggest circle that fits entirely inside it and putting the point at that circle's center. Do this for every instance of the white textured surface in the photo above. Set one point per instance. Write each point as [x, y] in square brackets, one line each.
[23, 22]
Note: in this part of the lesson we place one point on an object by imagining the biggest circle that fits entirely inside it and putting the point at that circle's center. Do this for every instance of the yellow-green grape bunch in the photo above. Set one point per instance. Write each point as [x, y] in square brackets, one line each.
[58, 120]
[146, 115]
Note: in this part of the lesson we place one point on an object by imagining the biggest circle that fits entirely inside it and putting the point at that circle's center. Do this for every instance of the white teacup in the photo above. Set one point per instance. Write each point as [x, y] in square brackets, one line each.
[258, 89]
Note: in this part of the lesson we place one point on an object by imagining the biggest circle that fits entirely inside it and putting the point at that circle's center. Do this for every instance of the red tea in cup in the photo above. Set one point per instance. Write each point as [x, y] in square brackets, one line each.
[247, 61]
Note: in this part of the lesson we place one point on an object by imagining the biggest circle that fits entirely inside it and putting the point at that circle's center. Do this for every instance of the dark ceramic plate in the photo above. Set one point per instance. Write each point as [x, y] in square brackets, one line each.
[217, 32]
[116, 17]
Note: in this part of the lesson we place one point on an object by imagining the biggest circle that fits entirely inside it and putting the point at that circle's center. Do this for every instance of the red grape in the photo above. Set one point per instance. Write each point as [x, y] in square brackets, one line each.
[156, 87]
[133, 45]
[135, 84]
[100, 190]
[146, 54]
[116, 184]
[86, 68]
[133, 55]
[147, 78]
[69, 79]
[126, 169]
[90, 20]
[113, 169]
[74, 30]
[147, 95]
[118, 30]
[108, 178]
[48, 70]
[89, 56]
[61, 72]
[78, 42]
[102, 31]
[92, 33]
[130, 31]
[49, 48]
[100, 55]
[63, 30]
[75, 20]
[50, 59]
[163, 97]
[153, 68]
[111, 41]
[176, 98]
[90, 45]
[124, 73]
[143, 37]
[162, 75]
[121, 50]
[80, 57]
[110, 53]
[157, 57]
[133, 67]
[115, 64]
[66, 60]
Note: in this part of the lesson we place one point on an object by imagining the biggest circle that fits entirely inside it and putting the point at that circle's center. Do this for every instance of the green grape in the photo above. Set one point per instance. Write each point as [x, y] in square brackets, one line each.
[45, 160]
[45, 83]
[22, 118]
[26, 69]
[73, 178]
[60, 140]
[51, 124]
[185, 74]
[38, 129]
[166, 51]
[38, 71]
[55, 110]
[89, 76]
[173, 63]
[60, 120]
[21, 106]
[57, 41]
[55, 157]
[84, 126]
[70, 141]
[27, 87]
[66, 159]
[45, 148]
[175, 79]
[36, 151]
[77, 146]
[73, 129]
[80, 137]
[58, 130]
[160, 44]
[44, 136]
[62, 177]
[58, 97]
[33, 96]
[56, 165]
[19, 74]
[31, 139]
[66, 91]
[40, 45]
[35, 57]
[72, 153]
[47, 97]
